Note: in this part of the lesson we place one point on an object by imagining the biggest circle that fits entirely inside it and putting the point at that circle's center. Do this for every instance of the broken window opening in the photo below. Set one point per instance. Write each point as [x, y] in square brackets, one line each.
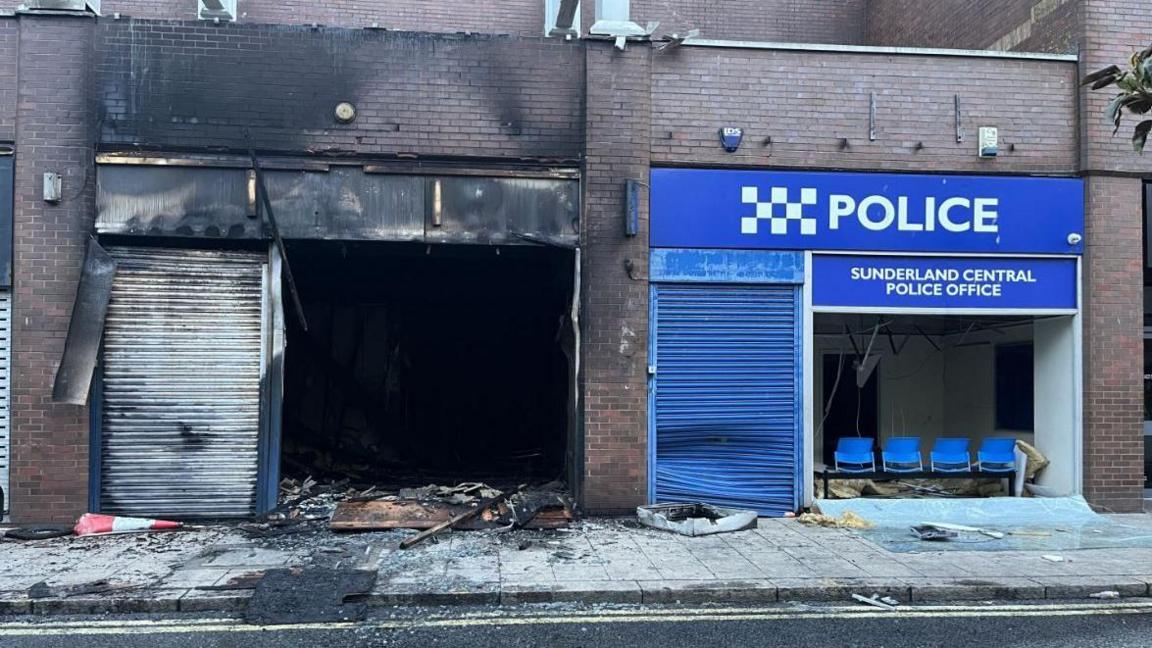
[975, 377]
[428, 364]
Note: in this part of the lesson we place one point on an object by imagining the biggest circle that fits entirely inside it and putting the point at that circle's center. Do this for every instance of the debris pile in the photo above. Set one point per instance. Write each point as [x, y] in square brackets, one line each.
[695, 519]
[464, 506]
[849, 520]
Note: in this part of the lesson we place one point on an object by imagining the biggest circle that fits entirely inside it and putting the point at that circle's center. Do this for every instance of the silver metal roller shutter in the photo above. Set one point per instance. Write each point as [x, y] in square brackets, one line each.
[183, 352]
[5, 395]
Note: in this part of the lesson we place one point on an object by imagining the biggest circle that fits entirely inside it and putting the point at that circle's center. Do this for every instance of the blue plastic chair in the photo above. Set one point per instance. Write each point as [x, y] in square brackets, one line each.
[902, 455]
[950, 454]
[997, 454]
[854, 455]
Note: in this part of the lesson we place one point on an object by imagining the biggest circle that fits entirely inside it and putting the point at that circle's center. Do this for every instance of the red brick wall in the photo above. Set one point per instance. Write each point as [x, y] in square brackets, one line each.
[195, 85]
[815, 21]
[1113, 30]
[1113, 457]
[50, 441]
[615, 314]
[1059, 31]
[1113, 390]
[969, 24]
[799, 102]
[797, 21]
[500, 17]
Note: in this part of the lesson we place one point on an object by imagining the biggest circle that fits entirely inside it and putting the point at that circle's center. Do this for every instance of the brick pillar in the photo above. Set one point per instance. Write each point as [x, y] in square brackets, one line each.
[1111, 30]
[53, 133]
[1113, 344]
[615, 312]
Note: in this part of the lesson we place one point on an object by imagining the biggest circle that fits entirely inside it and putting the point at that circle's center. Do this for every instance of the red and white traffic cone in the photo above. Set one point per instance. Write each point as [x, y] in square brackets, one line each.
[96, 524]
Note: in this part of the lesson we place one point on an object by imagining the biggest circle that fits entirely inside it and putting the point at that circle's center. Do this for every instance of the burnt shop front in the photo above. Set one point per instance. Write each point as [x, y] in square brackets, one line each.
[792, 309]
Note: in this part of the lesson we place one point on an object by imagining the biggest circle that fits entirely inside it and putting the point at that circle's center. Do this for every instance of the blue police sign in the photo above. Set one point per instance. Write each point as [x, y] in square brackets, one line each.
[792, 210]
[973, 283]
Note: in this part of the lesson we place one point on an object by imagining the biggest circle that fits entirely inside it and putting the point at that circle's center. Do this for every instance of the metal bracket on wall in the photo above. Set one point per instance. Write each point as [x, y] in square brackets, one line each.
[871, 116]
[631, 207]
[959, 125]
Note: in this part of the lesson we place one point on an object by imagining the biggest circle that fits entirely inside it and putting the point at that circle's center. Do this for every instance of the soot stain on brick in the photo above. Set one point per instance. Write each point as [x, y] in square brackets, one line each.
[190, 87]
[280, 84]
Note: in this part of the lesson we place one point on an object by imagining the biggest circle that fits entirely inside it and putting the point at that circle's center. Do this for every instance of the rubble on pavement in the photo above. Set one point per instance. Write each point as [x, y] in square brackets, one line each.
[848, 520]
[543, 507]
[695, 519]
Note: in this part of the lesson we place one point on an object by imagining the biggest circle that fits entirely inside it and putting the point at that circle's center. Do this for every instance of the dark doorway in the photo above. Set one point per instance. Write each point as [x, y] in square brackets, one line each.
[852, 411]
[428, 364]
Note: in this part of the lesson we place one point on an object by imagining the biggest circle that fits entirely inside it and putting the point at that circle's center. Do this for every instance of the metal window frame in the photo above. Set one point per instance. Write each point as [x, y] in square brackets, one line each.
[1077, 315]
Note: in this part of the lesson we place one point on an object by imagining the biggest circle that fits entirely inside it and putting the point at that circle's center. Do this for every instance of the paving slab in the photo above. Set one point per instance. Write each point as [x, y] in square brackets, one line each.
[593, 561]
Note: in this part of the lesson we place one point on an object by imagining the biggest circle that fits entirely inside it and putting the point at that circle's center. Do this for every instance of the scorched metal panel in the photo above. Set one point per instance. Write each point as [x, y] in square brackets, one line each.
[726, 395]
[183, 352]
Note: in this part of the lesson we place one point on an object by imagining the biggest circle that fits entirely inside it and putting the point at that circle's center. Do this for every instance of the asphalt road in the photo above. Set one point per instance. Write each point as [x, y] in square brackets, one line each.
[1118, 625]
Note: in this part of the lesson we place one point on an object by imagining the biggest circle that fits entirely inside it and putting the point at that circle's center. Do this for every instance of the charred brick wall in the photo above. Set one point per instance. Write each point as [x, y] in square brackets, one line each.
[50, 441]
[796, 112]
[1023, 25]
[615, 280]
[199, 86]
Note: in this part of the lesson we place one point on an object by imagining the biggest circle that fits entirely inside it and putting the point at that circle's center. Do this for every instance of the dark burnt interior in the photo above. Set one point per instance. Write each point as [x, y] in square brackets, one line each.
[427, 364]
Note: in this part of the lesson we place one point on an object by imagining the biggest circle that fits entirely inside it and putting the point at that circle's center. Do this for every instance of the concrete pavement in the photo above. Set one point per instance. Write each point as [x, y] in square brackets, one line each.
[595, 561]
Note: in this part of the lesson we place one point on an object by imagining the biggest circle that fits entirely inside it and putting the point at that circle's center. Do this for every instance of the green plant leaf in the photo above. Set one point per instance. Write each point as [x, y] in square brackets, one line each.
[1104, 82]
[1109, 72]
[1140, 135]
[1114, 110]
[1138, 104]
[1145, 71]
[1128, 82]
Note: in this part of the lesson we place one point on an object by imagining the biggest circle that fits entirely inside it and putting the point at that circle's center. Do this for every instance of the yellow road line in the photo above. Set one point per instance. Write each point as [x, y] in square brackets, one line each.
[144, 627]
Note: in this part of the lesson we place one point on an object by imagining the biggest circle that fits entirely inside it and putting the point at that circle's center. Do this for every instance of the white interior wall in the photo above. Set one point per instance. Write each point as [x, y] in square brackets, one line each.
[910, 388]
[970, 383]
[927, 392]
[1057, 410]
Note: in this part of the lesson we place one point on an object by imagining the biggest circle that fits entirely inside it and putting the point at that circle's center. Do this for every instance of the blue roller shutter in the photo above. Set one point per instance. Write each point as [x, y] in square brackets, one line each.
[725, 395]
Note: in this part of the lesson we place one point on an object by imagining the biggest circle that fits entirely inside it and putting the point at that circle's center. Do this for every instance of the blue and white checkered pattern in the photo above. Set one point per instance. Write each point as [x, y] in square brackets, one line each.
[778, 211]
